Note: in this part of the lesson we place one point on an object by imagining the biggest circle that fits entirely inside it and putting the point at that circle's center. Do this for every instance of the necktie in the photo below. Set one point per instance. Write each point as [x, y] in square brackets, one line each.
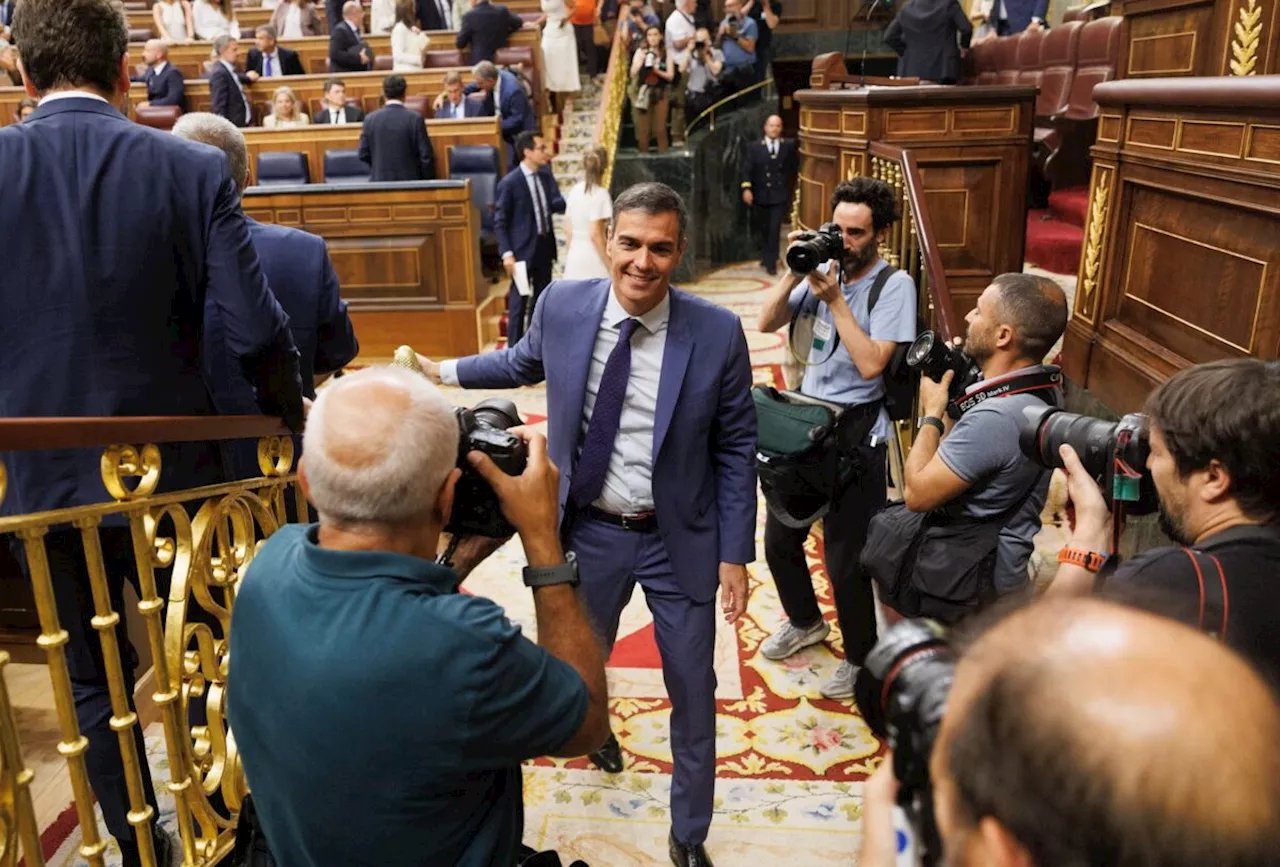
[445, 18]
[539, 206]
[335, 115]
[606, 417]
[267, 62]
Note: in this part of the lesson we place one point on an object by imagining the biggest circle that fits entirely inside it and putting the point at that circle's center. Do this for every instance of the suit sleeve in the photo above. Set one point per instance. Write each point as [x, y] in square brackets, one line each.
[893, 37]
[557, 204]
[253, 62]
[515, 22]
[464, 35]
[517, 365]
[735, 455]
[1040, 10]
[748, 167]
[502, 216]
[426, 155]
[293, 64]
[257, 329]
[219, 96]
[362, 150]
[348, 55]
[962, 24]
[336, 343]
[518, 107]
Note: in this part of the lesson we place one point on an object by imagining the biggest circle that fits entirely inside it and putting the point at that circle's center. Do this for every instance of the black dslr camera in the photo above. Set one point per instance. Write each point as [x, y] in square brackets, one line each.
[931, 356]
[1113, 453]
[483, 428]
[811, 249]
[901, 692]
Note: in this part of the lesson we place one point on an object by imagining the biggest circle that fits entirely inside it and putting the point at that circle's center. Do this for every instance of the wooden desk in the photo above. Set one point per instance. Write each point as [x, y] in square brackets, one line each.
[973, 146]
[1181, 263]
[316, 139]
[406, 255]
[1164, 38]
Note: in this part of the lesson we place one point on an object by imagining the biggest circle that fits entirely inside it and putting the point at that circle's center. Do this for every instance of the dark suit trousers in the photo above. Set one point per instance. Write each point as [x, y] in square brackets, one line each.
[844, 532]
[585, 34]
[768, 225]
[520, 309]
[612, 561]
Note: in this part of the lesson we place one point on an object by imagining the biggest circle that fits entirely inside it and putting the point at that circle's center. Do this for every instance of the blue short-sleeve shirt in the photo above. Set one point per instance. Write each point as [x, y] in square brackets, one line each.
[382, 716]
[734, 54]
[894, 319]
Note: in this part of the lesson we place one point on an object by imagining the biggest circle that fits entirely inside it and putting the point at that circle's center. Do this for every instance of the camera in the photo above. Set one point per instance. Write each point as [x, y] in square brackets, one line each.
[901, 691]
[699, 46]
[649, 58]
[931, 356]
[1113, 453]
[483, 428]
[811, 249]
[733, 28]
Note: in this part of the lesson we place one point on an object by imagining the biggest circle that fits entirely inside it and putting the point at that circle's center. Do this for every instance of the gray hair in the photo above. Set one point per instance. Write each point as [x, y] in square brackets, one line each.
[486, 70]
[385, 453]
[265, 30]
[652, 198]
[220, 44]
[160, 45]
[211, 129]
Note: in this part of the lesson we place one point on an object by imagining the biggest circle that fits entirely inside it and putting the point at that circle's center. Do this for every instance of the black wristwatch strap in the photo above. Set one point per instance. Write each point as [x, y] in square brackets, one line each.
[546, 576]
[932, 421]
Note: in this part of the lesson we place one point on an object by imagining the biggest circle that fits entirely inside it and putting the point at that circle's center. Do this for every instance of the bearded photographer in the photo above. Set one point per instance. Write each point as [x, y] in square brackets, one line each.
[853, 342]
[1213, 432]
[1072, 732]
[356, 659]
[981, 497]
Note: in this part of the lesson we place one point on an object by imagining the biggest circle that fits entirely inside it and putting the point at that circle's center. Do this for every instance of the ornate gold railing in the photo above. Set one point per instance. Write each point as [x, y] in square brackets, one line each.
[613, 97]
[202, 539]
[709, 113]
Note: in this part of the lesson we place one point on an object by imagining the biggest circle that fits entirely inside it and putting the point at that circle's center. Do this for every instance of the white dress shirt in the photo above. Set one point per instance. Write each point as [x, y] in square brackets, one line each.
[159, 68]
[628, 483]
[70, 94]
[337, 115]
[455, 111]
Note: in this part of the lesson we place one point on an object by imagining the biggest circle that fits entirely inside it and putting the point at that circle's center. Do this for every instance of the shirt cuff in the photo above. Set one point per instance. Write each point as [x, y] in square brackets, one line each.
[449, 372]
[508, 253]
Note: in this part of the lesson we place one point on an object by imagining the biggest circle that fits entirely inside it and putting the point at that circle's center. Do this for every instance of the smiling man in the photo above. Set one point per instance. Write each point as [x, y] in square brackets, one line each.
[651, 418]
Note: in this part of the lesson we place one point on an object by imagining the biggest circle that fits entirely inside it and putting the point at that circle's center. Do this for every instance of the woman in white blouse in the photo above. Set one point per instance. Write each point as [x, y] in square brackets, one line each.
[382, 16]
[408, 42]
[214, 18]
[587, 214]
[284, 110]
[297, 19]
[173, 20]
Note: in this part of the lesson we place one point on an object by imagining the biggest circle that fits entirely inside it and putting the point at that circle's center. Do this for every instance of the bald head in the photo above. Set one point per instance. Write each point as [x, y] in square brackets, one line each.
[773, 126]
[155, 51]
[378, 447]
[352, 11]
[1099, 734]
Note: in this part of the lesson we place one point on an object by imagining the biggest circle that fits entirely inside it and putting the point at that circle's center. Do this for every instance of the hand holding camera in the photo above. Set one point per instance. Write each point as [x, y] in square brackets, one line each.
[1093, 517]
[826, 287]
[529, 500]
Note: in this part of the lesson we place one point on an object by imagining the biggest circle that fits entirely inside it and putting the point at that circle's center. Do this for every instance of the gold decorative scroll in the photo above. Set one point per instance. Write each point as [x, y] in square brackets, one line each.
[1091, 265]
[1248, 34]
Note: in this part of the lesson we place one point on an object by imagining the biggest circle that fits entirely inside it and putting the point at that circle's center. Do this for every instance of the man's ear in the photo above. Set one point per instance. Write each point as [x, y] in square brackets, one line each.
[26, 82]
[444, 500]
[999, 847]
[303, 481]
[1004, 336]
[1217, 482]
[122, 80]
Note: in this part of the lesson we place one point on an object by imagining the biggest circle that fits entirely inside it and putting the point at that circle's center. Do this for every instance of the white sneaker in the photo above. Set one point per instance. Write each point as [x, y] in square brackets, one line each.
[840, 684]
[790, 639]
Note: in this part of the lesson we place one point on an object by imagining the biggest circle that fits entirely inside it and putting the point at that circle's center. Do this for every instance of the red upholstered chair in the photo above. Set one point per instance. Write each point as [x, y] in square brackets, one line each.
[383, 63]
[443, 59]
[140, 34]
[1028, 60]
[419, 103]
[514, 55]
[1076, 126]
[1007, 59]
[1058, 63]
[161, 117]
[985, 56]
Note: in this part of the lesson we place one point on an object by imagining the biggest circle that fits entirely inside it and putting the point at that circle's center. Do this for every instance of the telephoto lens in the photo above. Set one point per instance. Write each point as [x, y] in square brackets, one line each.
[930, 355]
[811, 249]
[1114, 453]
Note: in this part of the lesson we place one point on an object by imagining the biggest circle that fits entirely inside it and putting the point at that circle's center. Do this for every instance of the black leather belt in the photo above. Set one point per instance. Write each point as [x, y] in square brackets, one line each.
[643, 522]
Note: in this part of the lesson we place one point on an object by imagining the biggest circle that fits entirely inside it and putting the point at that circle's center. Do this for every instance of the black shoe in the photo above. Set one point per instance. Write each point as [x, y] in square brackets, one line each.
[609, 757]
[772, 272]
[687, 854]
[162, 843]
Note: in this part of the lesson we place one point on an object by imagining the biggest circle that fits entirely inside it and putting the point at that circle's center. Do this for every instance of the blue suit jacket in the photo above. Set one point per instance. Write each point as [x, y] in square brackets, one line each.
[704, 439]
[103, 314]
[1020, 12]
[514, 219]
[515, 111]
[470, 108]
[167, 88]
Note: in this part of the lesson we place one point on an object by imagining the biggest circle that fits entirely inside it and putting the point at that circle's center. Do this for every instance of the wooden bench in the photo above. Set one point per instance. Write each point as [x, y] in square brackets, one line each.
[406, 255]
[315, 140]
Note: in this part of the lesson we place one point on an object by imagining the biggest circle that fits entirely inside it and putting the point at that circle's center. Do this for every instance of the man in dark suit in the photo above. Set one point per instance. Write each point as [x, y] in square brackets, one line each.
[455, 104]
[226, 84]
[660, 490]
[394, 140]
[335, 108]
[525, 200]
[348, 52]
[486, 28]
[1015, 16]
[768, 172]
[104, 315]
[505, 97]
[163, 80]
[435, 14]
[268, 59]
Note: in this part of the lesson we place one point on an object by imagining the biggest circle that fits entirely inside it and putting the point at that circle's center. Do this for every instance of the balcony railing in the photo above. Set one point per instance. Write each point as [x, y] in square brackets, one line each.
[613, 97]
[197, 541]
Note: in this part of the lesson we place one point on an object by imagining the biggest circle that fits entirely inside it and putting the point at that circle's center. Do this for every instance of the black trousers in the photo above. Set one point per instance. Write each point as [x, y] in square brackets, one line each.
[519, 308]
[768, 226]
[844, 532]
[587, 51]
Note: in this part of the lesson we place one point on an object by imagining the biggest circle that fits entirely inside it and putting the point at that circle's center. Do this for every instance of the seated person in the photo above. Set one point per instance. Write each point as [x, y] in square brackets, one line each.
[455, 104]
[164, 80]
[1214, 431]
[335, 108]
[505, 97]
[269, 59]
[286, 111]
[214, 18]
[402, 730]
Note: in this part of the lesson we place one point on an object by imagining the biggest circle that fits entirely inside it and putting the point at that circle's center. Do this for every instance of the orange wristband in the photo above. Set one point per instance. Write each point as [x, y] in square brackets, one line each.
[1089, 560]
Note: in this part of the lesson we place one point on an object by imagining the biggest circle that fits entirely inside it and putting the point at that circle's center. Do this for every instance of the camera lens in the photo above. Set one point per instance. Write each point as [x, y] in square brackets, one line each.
[930, 356]
[1044, 430]
[496, 412]
[804, 255]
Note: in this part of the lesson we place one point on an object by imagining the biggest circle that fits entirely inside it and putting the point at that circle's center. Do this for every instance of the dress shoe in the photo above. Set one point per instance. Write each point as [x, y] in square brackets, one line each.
[687, 854]
[609, 757]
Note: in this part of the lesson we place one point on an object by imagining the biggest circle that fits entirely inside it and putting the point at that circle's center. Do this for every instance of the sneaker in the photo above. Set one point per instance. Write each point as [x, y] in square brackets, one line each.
[791, 639]
[840, 684]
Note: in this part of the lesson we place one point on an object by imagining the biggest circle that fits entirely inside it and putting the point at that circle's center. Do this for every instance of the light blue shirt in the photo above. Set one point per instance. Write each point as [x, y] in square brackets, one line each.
[894, 319]
[734, 55]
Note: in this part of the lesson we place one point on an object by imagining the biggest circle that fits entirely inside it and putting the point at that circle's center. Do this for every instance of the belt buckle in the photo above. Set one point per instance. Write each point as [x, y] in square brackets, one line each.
[636, 522]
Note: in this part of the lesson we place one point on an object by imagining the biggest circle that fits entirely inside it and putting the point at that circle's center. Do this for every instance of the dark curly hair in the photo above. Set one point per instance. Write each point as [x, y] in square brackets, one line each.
[878, 196]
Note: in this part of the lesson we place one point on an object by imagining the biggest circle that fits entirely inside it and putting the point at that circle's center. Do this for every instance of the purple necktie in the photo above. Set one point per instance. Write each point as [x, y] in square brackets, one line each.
[588, 476]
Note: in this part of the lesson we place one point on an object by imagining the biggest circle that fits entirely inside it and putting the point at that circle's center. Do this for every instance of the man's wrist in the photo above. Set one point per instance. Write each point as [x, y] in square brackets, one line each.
[1091, 538]
[542, 548]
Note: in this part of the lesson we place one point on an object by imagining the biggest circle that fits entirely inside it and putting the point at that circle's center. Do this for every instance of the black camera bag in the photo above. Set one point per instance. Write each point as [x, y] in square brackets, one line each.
[901, 383]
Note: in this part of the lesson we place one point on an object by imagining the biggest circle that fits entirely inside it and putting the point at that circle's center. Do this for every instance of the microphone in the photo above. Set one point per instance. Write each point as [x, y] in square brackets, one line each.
[862, 70]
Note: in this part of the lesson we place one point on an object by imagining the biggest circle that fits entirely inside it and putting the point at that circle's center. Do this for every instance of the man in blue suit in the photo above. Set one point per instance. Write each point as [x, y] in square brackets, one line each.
[128, 234]
[486, 28]
[660, 489]
[504, 97]
[163, 80]
[523, 205]
[455, 105]
[1015, 16]
[227, 84]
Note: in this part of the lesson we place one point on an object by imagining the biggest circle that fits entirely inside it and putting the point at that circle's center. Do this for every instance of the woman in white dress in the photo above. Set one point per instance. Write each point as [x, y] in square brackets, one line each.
[214, 18]
[173, 20]
[382, 16]
[587, 213]
[460, 8]
[408, 42]
[560, 52]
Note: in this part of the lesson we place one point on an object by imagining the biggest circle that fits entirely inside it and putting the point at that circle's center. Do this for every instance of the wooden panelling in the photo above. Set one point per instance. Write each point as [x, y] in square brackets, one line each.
[1163, 38]
[805, 16]
[407, 259]
[1108, 128]
[315, 140]
[1263, 143]
[1152, 132]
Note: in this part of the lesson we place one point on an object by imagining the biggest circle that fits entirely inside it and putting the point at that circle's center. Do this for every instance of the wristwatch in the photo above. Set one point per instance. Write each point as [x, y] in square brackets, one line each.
[1090, 561]
[931, 421]
[547, 576]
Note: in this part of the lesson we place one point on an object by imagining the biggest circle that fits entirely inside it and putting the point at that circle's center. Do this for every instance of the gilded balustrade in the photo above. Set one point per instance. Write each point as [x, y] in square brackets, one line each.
[191, 548]
[612, 99]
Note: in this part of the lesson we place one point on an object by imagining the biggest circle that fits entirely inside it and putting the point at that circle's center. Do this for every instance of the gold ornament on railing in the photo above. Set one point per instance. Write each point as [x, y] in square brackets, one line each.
[127, 462]
[1092, 263]
[1248, 34]
[4, 482]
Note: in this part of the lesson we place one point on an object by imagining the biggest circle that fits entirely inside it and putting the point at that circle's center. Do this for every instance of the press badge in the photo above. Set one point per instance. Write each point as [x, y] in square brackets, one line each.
[821, 334]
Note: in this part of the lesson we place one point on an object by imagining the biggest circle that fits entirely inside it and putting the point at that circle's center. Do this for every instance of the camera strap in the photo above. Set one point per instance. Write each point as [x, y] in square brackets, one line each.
[1047, 379]
[876, 288]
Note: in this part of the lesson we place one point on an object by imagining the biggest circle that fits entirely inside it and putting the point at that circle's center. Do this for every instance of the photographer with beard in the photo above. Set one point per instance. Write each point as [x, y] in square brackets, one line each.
[982, 495]
[1213, 431]
[853, 343]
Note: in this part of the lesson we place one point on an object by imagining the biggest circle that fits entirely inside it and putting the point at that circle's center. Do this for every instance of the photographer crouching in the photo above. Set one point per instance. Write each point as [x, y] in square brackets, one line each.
[1210, 442]
[972, 498]
[382, 716]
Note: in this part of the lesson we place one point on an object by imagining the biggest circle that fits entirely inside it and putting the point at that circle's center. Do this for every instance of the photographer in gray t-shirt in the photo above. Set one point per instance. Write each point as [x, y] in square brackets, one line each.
[974, 467]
